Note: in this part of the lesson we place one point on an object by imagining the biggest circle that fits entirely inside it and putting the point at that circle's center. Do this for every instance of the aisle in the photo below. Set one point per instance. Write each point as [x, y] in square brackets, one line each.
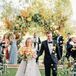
[13, 68]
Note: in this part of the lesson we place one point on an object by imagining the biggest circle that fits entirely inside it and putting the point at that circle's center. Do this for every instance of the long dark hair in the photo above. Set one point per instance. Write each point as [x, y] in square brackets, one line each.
[5, 36]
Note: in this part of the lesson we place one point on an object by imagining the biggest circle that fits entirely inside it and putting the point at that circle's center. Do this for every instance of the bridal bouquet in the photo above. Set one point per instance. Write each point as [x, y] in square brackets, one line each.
[27, 53]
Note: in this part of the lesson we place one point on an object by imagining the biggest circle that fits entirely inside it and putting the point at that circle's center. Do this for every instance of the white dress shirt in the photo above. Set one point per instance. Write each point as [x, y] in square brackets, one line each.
[35, 40]
[58, 39]
[50, 46]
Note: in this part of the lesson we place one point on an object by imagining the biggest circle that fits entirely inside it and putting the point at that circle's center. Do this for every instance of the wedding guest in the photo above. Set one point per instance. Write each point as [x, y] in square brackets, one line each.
[50, 58]
[68, 36]
[59, 47]
[36, 42]
[0, 45]
[1, 49]
[73, 47]
[68, 50]
[13, 50]
[5, 46]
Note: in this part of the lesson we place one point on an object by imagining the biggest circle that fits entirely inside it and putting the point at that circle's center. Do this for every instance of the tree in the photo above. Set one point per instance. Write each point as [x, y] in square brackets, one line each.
[40, 16]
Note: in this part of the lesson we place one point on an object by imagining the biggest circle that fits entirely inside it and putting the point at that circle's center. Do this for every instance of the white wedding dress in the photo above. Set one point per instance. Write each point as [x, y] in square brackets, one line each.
[29, 68]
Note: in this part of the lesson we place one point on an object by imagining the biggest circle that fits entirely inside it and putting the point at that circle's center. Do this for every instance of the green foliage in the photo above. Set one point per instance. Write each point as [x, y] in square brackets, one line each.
[39, 15]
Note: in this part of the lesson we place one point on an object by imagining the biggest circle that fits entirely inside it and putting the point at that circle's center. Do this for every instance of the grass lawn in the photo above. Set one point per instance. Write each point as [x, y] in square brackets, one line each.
[61, 72]
[12, 72]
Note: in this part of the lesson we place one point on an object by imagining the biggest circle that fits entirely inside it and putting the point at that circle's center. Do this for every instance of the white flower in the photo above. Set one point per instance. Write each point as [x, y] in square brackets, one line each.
[72, 43]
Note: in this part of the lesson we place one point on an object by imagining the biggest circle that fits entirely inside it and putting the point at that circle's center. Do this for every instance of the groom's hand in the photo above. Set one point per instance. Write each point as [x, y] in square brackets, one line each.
[37, 59]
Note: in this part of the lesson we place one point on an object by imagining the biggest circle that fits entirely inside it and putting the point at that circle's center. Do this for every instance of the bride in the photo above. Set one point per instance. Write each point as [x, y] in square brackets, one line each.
[28, 66]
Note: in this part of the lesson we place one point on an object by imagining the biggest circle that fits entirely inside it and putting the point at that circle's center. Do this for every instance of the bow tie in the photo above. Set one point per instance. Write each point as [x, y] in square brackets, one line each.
[50, 42]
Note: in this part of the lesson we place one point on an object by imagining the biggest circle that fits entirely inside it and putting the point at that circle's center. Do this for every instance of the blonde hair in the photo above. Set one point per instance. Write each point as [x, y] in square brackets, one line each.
[27, 40]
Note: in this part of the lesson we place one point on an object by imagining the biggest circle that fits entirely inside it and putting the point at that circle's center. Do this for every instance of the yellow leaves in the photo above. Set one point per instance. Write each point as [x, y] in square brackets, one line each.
[24, 13]
[29, 19]
[29, 9]
[27, 13]
[48, 18]
[17, 25]
[55, 27]
[42, 12]
[64, 6]
[7, 23]
[24, 30]
[45, 13]
[38, 3]
[38, 6]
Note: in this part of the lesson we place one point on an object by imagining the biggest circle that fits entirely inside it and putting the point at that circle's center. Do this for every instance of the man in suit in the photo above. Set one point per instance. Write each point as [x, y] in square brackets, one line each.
[1, 49]
[68, 49]
[59, 48]
[50, 58]
[36, 42]
[73, 47]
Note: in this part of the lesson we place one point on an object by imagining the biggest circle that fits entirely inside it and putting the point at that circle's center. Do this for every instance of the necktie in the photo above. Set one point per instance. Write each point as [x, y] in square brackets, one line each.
[50, 42]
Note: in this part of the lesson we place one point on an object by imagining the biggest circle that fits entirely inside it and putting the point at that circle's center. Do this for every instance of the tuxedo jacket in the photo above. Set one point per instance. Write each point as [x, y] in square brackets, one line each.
[37, 43]
[60, 41]
[71, 49]
[48, 58]
[68, 45]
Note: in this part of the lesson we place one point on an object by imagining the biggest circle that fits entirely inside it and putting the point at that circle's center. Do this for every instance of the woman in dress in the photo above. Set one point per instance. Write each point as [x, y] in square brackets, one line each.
[5, 45]
[13, 50]
[28, 66]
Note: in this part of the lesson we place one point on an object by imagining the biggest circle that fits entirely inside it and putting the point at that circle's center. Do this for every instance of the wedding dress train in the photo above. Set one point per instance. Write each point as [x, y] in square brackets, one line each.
[28, 68]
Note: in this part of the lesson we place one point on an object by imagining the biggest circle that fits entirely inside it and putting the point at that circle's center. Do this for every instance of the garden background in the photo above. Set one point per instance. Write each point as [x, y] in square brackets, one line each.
[25, 17]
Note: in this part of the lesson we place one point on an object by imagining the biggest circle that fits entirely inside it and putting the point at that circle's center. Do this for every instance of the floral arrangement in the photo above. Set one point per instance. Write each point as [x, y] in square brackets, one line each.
[27, 53]
[38, 17]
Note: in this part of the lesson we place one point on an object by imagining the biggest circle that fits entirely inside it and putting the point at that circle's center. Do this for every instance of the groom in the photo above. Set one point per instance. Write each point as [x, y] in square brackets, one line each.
[50, 59]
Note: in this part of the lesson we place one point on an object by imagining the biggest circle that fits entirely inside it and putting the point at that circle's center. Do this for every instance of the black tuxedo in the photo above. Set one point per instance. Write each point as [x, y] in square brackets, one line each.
[37, 43]
[59, 47]
[73, 51]
[68, 48]
[50, 60]
[1, 52]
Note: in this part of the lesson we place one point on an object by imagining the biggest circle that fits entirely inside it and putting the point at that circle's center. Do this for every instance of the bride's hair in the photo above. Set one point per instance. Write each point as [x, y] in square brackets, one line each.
[27, 41]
